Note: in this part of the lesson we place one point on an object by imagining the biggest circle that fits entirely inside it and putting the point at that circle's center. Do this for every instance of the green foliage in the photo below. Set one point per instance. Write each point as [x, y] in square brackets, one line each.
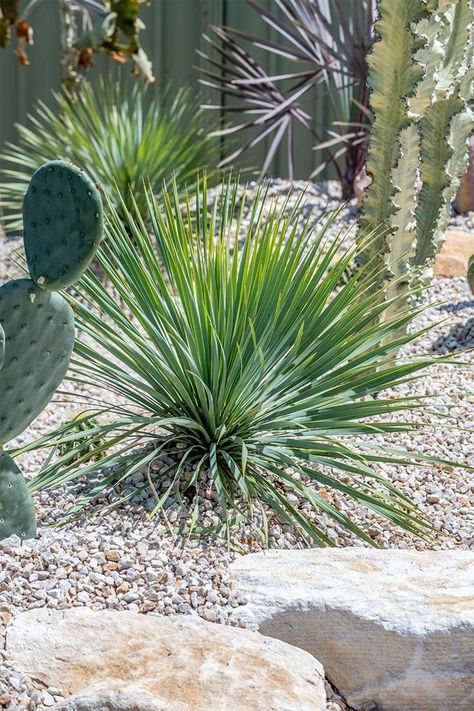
[121, 135]
[63, 210]
[82, 447]
[421, 75]
[470, 273]
[249, 365]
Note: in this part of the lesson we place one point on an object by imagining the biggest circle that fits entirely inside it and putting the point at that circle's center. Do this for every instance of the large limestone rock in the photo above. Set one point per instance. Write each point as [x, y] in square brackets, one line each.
[394, 629]
[121, 661]
[453, 258]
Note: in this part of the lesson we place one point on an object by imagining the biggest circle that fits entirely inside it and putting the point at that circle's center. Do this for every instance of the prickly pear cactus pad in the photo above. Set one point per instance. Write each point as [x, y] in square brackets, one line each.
[62, 222]
[39, 338]
[17, 512]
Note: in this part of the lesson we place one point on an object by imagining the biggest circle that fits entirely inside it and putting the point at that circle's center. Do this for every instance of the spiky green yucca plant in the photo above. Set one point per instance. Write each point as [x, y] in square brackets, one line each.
[121, 134]
[248, 364]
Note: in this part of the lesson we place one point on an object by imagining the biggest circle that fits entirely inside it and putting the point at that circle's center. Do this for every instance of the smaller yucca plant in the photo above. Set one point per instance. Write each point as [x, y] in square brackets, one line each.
[120, 133]
[83, 448]
[250, 364]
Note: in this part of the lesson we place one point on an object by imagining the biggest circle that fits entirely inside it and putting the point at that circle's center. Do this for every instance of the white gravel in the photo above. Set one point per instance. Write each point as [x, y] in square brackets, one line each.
[119, 559]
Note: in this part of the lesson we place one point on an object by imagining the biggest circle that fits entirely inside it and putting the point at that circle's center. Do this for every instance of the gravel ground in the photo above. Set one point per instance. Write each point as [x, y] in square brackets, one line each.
[119, 559]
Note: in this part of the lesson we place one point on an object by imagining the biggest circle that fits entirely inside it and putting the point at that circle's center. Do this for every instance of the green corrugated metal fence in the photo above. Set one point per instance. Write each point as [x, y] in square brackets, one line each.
[174, 30]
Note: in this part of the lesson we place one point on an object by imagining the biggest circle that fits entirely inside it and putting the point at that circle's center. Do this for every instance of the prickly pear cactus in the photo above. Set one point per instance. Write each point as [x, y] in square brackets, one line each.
[63, 227]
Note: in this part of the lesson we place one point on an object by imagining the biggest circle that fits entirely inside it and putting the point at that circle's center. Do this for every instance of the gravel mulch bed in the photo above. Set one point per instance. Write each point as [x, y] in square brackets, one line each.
[120, 559]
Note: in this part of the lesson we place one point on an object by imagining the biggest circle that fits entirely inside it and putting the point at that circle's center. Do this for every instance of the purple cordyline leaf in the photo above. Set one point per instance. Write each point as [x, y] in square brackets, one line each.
[250, 144]
[334, 141]
[287, 104]
[310, 20]
[285, 121]
[280, 27]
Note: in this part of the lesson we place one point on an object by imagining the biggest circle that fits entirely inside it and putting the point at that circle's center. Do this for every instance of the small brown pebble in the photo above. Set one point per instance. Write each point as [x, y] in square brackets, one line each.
[147, 606]
[110, 566]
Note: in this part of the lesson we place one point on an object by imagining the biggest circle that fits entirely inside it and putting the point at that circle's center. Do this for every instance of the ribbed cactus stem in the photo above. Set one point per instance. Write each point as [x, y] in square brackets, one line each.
[421, 74]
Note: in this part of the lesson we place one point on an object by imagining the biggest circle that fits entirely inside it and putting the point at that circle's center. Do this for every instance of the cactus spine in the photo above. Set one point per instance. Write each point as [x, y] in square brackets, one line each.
[421, 75]
[62, 218]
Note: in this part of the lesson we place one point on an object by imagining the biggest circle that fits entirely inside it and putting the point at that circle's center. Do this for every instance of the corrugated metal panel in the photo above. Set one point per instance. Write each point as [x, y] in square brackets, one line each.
[173, 31]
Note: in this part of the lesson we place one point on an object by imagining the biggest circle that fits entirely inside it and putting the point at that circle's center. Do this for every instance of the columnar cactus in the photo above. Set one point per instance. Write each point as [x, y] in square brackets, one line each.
[62, 218]
[421, 74]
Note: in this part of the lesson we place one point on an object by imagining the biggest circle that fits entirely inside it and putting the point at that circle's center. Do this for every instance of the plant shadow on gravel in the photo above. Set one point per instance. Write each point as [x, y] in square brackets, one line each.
[135, 501]
[459, 338]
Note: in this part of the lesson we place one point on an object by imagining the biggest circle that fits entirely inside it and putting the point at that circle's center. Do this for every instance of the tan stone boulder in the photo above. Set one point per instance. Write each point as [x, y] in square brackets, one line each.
[453, 258]
[394, 629]
[117, 661]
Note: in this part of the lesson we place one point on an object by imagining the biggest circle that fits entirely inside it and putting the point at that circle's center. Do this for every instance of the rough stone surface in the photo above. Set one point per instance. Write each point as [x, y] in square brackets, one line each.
[113, 696]
[113, 658]
[452, 261]
[393, 629]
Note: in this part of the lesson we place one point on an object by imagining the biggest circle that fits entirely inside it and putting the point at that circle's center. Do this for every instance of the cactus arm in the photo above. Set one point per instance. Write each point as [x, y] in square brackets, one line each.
[444, 124]
[458, 28]
[436, 152]
[430, 56]
[458, 141]
[401, 250]
[445, 128]
[393, 76]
